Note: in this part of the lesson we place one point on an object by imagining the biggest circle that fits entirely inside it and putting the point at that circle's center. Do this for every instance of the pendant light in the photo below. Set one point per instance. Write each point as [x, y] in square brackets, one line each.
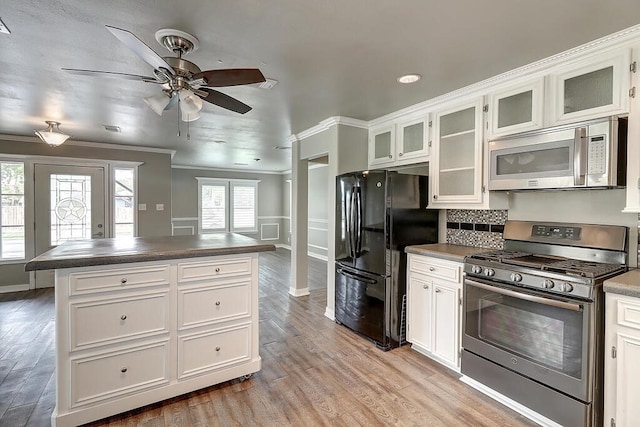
[52, 135]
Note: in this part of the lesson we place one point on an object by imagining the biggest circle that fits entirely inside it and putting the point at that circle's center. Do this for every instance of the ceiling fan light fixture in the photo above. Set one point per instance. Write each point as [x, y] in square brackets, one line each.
[157, 102]
[52, 135]
[190, 103]
[190, 117]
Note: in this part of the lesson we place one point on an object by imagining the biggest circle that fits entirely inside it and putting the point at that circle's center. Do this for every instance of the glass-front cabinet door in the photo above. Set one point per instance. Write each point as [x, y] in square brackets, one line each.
[457, 155]
[517, 109]
[382, 145]
[590, 89]
[413, 141]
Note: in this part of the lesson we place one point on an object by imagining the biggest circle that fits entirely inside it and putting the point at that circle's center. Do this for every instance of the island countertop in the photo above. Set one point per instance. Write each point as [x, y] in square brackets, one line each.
[86, 253]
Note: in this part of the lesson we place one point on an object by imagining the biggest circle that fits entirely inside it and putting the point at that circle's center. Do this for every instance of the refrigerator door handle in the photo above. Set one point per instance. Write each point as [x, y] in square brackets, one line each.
[357, 277]
[350, 224]
[358, 225]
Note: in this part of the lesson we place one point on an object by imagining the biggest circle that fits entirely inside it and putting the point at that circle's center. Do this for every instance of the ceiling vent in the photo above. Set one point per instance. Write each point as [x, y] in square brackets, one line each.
[281, 147]
[268, 84]
[112, 128]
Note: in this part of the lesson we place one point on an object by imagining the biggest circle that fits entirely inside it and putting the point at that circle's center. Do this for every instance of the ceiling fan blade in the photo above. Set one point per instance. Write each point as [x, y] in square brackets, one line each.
[225, 101]
[140, 49]
[231, 77]
[110, 74]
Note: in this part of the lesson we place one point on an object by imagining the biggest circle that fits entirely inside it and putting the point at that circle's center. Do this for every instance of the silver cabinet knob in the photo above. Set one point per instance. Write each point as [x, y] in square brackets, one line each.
[217, 269]
[425, 286]
[217, 303]
[123, 369]
[432, 269]
[390, 156]
[435, 196]
[123, 281]
[123, 317]
[217, 348]
[438, 290]
[400, 154]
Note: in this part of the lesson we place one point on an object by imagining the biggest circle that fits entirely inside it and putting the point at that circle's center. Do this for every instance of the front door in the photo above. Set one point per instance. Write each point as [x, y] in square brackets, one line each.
[69, 205]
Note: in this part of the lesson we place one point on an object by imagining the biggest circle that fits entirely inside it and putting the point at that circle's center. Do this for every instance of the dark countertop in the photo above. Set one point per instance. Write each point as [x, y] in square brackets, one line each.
[445, 251]
[624, 284]
[140, 249]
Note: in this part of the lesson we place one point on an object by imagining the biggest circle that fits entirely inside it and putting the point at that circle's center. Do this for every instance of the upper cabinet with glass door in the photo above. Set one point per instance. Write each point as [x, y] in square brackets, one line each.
[382, 146]
[516, 109]
[591, 88]
[413, 141]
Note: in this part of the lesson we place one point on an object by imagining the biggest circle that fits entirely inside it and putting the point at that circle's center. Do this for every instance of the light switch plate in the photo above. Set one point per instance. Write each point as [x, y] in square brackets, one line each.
[160, 207]
[142, 207]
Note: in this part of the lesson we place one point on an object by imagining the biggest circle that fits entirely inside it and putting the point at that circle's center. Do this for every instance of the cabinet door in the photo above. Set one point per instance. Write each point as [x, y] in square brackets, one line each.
[446, 328]
[517, 109]
[627, 411]
[457, 155]
[413, 141]
[419, 312]
[590, 89]
[382, 145]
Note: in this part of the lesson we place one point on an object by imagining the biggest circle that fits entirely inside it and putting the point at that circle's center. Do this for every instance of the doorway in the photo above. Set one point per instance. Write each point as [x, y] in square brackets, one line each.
[69, 205]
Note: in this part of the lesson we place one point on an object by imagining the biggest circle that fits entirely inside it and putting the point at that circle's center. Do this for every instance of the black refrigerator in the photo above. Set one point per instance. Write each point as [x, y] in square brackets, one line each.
[378, 213]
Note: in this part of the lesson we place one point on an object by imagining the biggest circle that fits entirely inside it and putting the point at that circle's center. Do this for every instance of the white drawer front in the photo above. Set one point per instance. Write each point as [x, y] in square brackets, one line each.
[629, 314]
[206, 270]
[201, 306]
[104, 376]
[117, 279]
[435, 267]
[202, 353]
[117, 319]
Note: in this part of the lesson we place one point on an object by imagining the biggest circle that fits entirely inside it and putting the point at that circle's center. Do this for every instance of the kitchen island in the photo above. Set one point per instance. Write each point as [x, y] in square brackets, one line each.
[140, 320]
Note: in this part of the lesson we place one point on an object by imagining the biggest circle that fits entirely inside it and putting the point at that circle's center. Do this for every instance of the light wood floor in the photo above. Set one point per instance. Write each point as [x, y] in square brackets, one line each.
[314, 372]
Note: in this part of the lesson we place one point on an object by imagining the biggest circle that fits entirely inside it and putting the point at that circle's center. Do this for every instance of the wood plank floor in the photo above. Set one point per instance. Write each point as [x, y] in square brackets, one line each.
[314, 372]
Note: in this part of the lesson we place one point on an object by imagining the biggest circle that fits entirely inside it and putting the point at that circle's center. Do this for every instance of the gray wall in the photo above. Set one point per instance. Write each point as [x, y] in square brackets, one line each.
[270, 201]
[154, 187]
[318, 210]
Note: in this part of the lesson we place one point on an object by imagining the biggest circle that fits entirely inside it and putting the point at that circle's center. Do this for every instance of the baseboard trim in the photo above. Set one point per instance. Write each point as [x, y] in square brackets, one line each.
[519, 408]
[318, 256]
[330, 313]
[298, 292]
[14, 288]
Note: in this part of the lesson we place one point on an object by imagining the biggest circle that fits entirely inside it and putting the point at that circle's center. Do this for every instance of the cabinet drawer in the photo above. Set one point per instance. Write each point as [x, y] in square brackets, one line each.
[194, 271]
[117, 319]
[628, 313]
[206, 305]
[202, 353]
[117, 279]
[98, 377]
[435, 267]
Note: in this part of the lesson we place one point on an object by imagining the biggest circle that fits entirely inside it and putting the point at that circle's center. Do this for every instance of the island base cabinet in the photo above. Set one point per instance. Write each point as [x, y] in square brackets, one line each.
[433, 308]
[135, 334]
[622, 370]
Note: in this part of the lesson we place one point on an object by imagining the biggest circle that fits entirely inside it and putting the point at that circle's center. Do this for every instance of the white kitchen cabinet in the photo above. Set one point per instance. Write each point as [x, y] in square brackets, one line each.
[404, 142]
[591, 88]
[133, 334]
[632, 203]
[433, 308]
[622, 352]
[516, 109]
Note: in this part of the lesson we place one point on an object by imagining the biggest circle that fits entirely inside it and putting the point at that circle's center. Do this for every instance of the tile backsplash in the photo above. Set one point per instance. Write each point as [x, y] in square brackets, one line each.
[479, 228]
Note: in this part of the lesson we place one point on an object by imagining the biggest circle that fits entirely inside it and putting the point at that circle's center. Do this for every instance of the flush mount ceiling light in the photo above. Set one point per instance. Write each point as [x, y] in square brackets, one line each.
[52, 134]
[409, 78]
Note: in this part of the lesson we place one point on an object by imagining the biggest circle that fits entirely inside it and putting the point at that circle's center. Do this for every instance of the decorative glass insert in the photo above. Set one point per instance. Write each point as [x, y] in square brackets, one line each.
[213, 202]
[591, 90]
[124, 202]
[12, 236]
[70, 208]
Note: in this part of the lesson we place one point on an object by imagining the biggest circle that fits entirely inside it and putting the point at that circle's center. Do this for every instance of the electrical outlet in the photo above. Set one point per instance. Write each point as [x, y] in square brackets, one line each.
[142, 207]
[159, 207]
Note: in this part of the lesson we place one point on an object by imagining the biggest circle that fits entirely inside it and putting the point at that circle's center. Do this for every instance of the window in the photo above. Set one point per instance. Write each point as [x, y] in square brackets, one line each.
[227, 205]
[12, 241]
[124, 202]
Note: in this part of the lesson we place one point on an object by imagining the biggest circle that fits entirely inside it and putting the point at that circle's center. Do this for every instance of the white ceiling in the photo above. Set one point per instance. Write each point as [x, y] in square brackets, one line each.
[331, 58]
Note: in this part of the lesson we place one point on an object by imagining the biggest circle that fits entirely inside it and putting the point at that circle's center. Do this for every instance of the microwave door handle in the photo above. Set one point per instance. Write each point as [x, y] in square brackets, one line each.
[523, 296]
[580, 156]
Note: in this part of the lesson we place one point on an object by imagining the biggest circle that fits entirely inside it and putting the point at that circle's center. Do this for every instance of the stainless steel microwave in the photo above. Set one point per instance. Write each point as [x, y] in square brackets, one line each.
[581, 155]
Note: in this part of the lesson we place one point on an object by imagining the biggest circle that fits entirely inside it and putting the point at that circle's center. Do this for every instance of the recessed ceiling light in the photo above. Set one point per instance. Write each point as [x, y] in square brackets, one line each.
[409, 78]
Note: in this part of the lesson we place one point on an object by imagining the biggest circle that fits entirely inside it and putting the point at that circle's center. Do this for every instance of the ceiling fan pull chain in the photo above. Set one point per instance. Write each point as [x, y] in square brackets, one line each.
[178, 116]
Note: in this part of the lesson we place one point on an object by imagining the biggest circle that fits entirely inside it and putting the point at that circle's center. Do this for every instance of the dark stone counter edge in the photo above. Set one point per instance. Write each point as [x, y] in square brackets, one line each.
[131, 258]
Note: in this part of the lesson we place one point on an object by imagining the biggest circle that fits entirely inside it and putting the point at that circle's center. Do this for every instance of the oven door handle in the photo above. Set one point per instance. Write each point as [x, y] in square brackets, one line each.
[528, 297]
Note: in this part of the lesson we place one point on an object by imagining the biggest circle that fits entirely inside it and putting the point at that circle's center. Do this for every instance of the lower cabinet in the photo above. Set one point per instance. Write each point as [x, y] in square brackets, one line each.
[622, 353]
[130, 335]
[433, 308]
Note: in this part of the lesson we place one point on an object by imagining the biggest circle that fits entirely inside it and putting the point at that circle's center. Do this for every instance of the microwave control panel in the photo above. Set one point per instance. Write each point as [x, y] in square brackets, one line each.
[597, 162]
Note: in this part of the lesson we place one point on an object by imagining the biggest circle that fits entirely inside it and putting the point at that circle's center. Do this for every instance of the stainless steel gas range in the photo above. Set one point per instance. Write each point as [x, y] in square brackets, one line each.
[534, 314]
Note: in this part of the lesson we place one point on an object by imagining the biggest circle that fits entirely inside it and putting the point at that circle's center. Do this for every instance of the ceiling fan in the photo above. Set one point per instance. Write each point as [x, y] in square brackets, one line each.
[183, 83]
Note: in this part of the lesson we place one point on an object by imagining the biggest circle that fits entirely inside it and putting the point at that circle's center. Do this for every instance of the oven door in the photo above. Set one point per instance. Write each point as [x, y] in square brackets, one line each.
[544, 338]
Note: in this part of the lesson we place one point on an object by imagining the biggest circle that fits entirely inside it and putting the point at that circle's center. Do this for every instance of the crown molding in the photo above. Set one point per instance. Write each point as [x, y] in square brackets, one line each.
[326, 124]
[101, 145]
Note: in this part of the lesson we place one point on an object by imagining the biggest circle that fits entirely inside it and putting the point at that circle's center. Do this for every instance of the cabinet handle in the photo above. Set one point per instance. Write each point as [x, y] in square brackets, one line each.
[218, 303]
[123, 369]
[217, 348]
[437, 290]
[217, 269]
[432, 269]
[400, 154]
[435, 196]
[123, 281]
[425, 286]
[123, 317]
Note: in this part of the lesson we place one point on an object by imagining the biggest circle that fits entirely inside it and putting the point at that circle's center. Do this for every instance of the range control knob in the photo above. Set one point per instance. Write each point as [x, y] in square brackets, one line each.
[516, 277]
[547, 284]
[566, 287]
[489, 272]
[476, 269]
